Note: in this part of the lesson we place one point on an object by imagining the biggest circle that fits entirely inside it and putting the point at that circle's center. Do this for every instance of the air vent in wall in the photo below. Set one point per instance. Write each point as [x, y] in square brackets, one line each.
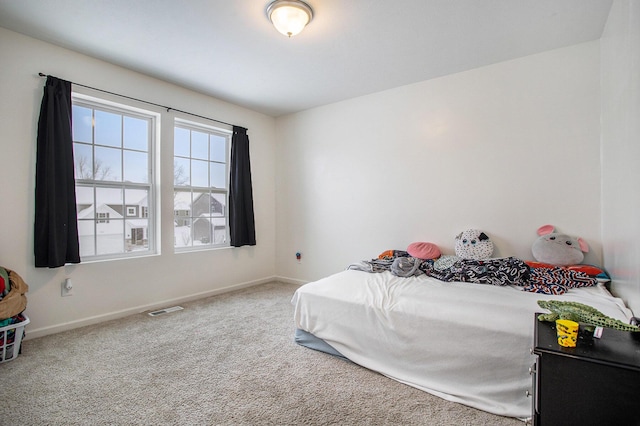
[165, 311]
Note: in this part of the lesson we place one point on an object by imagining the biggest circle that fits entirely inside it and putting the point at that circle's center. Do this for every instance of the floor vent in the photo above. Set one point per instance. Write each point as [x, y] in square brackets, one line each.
[165, 311]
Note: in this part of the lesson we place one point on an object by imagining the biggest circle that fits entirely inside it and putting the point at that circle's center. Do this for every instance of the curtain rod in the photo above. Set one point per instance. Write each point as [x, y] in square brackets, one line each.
[147, 102]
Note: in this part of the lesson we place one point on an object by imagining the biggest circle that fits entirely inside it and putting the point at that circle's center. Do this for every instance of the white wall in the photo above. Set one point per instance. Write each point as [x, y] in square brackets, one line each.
[108, 289]
[503, 148]
[620, 45]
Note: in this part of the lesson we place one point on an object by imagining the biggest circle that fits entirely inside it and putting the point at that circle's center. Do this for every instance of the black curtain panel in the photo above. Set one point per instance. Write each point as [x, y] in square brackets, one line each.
[241, 221]
[56, 228]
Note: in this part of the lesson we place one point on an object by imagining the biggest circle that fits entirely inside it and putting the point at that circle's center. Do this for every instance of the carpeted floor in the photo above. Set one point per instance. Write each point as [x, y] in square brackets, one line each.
[225, 360]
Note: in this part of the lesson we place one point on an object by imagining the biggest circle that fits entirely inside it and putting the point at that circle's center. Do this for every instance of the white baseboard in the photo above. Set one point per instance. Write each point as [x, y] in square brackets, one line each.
[287, 280]
[44, 331]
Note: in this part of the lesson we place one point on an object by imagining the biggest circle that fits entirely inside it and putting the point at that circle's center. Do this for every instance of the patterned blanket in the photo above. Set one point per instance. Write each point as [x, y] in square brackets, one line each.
[500, 272]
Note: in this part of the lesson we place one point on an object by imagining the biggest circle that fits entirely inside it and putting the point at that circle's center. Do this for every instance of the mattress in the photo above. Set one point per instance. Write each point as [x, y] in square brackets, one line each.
[464, 342]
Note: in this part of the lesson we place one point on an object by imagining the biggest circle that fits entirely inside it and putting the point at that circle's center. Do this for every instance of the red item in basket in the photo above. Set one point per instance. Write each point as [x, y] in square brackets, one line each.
[4, 282]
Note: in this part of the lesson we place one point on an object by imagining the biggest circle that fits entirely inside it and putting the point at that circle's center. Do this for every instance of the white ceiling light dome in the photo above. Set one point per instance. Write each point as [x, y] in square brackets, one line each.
[289, 16]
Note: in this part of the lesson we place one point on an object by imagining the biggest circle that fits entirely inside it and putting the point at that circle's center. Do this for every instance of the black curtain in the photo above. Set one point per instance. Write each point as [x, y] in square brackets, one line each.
[241, 221]
[56, 228]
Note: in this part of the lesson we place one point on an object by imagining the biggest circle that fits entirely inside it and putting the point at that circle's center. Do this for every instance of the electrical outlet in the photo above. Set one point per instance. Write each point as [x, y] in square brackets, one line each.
[67, 288]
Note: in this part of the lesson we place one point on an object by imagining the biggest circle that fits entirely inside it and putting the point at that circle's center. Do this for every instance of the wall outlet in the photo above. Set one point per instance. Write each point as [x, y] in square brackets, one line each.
[67, 288]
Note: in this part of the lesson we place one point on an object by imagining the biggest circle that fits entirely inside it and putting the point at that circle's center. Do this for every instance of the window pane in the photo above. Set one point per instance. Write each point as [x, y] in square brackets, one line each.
[181, 142]
[110, 237]
[82, 124]
[135, 201]
[136, 234]
[218, 149]
[181, 172]
[136, 133]
[218, 175]
[139, 197]
[201, 204]
[109, 200]
[87, 237]
[136, 167]
[219, 225]
[108, 128]
[199, 173]
[107, 165]
[218, 204]
[84, 197]
[86, 222]
[182, 204]
[202, 231]
[182, 218]
[83, 159]
[84, 202]
[199, 145]
[182, 234]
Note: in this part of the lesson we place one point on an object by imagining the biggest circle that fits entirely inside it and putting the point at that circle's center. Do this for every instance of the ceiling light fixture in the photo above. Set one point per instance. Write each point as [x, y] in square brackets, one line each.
[289, 16]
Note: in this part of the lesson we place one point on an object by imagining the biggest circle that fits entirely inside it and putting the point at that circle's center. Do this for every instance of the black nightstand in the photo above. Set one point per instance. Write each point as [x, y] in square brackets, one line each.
[595, 383]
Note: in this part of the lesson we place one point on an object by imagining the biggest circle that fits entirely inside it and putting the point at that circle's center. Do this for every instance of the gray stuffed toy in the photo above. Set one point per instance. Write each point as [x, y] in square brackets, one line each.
[473, 244]
[558, 249]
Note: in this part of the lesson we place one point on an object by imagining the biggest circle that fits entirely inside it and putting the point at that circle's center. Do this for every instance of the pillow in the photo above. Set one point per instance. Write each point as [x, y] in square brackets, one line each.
[590, 270]
[473, 244]
[421, 250]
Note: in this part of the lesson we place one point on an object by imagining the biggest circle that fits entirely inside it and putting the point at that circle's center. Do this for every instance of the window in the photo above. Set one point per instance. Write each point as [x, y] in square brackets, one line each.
[113, 155]
[103, 217]
[200, 178]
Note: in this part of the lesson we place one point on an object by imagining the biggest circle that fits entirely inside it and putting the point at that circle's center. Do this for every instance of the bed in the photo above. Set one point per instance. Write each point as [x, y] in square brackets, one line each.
[465, 342]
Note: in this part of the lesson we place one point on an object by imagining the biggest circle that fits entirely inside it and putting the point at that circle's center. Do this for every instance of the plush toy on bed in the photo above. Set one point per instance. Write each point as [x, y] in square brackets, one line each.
[558, 249]
[473, 244]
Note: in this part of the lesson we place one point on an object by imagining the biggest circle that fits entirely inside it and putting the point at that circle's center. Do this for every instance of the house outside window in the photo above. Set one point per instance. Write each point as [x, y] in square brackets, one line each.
[113, 148]
[201, 173]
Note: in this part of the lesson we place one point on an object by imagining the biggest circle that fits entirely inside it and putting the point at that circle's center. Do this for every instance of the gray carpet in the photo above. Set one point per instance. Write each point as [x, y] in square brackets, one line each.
[225, 360]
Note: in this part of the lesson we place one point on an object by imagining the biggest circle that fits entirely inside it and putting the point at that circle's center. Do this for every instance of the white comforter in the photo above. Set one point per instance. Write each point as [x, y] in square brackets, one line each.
[467, 343]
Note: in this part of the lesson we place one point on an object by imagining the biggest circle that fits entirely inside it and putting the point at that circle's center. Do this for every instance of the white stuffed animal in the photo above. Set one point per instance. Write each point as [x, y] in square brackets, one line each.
[473, 244]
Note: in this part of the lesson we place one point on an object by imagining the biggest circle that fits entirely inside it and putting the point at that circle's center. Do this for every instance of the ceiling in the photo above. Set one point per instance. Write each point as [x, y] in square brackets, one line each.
[228, 48]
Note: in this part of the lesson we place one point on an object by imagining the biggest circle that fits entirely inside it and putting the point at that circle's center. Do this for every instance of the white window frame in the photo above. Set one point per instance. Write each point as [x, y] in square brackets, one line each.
[180, 214]
[152, 211]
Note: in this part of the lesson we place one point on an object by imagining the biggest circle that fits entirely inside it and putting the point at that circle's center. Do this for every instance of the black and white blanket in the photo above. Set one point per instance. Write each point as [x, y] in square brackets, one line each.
[500, 272]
